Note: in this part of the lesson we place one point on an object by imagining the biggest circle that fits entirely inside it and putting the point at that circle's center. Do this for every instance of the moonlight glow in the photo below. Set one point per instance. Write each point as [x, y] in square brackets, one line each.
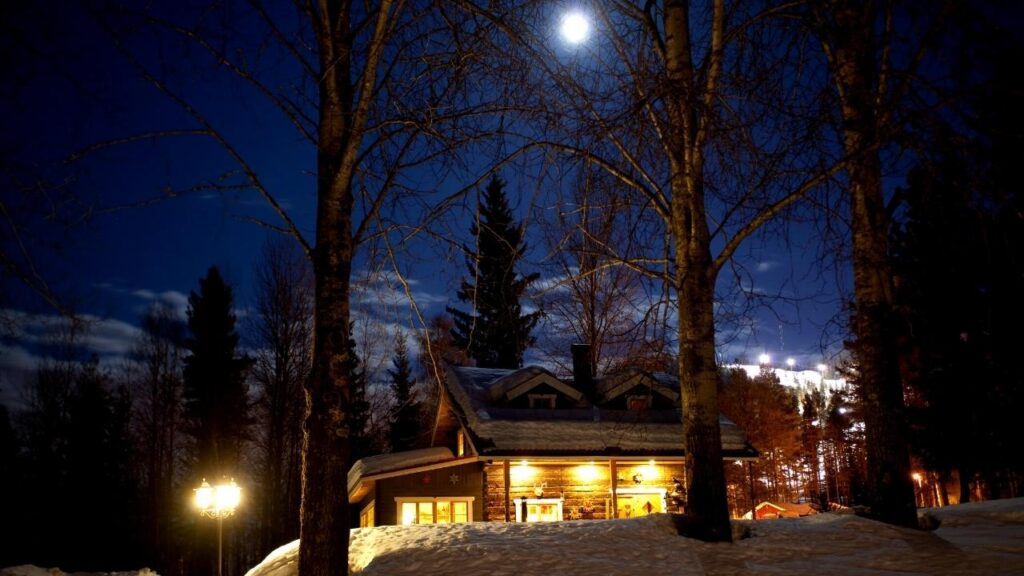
[575, 28]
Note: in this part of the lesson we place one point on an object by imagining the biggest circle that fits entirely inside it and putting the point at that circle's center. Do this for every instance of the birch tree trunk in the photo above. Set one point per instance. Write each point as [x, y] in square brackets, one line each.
[687, 104]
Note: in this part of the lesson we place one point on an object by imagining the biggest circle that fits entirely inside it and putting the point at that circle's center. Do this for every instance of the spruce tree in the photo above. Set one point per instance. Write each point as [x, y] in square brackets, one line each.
[405, 421]
[496, 332]
[358, 406]
[216, 399]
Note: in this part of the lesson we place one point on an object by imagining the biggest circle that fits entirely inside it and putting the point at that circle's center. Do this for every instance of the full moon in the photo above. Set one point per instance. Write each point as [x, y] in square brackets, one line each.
[575, 28]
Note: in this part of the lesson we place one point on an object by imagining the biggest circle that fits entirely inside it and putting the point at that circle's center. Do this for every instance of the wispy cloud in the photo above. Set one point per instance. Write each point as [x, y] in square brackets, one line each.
[767, 265]
[386, 289]
[104, 336]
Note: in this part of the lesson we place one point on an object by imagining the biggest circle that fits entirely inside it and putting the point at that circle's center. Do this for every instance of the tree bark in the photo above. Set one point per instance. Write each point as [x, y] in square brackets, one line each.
[707, 501]
[848, 35]
[324, 514]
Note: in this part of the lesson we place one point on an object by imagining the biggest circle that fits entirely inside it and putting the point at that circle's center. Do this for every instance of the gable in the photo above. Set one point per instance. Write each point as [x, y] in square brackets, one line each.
[631, 381]
[523, 381]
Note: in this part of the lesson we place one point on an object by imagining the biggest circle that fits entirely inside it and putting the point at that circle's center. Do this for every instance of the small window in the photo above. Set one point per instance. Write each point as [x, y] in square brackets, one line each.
[541, 400]
[434, 510]
[638, 402]
[539, 509]
[460, 441]
[366, 517]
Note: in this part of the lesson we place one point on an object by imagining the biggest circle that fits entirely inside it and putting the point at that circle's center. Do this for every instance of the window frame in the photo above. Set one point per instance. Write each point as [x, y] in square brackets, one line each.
[542, 401]
[433, 500]
[367, 516]
[619, 492]
[539, 501]
[648, 399]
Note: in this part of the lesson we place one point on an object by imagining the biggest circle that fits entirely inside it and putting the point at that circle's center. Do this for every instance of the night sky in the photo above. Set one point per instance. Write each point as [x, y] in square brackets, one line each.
[115, 251]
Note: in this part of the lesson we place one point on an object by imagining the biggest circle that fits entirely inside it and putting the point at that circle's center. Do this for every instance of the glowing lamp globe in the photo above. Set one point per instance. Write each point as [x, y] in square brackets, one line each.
[218, 501]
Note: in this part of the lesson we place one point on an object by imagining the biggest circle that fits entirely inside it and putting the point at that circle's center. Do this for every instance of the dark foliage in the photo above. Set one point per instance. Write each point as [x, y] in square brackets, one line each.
[216, 396]
[497, 332]
[959, 266]
[405, 419]
[358, 406]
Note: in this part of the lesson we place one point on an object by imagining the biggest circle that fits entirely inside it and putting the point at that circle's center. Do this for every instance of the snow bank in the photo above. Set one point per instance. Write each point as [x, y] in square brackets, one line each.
[29, 570]
[982, 538]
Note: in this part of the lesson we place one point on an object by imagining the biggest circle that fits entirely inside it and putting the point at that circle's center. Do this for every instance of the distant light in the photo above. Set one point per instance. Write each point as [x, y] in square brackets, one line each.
[764, 359]
[843, 410]
[575, 27]
[790, 362]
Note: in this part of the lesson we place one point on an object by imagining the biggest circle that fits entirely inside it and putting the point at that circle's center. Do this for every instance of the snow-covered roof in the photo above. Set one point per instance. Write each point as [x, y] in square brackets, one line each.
[396, 461]
[589, 429]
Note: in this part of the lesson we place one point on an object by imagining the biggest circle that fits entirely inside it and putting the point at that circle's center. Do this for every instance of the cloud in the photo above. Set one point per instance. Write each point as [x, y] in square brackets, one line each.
[104, 336]
[767, 265]
[173, 299]
[386, 289]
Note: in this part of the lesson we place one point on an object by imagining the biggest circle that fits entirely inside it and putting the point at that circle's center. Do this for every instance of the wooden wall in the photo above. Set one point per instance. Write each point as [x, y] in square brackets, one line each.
[584, 488]
[463, 480]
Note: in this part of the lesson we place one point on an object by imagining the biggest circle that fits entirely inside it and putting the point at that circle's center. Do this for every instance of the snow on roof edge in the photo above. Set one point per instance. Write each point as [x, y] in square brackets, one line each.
[396, 461]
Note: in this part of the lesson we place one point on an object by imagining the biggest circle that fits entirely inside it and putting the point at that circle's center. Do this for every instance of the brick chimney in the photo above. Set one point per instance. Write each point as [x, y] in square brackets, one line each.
[583, 370]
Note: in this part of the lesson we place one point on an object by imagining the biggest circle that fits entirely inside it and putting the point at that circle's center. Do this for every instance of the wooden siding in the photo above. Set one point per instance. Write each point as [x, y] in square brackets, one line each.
[584, 488]
[434, 484]
[446, 425]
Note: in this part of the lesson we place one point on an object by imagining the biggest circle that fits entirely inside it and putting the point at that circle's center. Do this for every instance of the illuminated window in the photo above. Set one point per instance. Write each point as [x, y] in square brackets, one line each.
[638, 402]
[539, 509]
[541, 400]
[366, 517]
[633, 502]
[460, 441]
[435, 510]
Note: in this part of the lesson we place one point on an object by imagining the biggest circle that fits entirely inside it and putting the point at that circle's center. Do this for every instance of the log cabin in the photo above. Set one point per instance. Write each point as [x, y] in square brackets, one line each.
[525, 446]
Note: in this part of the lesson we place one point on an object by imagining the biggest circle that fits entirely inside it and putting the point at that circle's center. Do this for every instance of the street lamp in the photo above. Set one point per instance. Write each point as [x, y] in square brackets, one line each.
[218, 502]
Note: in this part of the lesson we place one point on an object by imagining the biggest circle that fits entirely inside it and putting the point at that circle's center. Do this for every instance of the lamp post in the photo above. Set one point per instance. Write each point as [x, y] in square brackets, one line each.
[218, 502]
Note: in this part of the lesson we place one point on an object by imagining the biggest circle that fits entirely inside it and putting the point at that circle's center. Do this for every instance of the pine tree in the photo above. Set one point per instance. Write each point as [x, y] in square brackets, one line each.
[405, 420]
[216, 399]
[358, 406]
[497, 332]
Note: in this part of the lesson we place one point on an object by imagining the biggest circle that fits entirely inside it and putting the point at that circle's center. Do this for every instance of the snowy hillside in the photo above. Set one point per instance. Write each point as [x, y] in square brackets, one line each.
[981, 538]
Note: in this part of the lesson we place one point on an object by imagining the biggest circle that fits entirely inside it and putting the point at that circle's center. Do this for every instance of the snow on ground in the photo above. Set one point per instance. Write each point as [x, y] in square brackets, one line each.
[981, 538]
[29, 570]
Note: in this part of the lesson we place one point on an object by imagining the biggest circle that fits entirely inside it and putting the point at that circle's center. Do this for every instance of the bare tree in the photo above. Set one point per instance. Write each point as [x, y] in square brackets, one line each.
[156, 378]
[709, 115]
[591, 298]
[859, 42]
[283, 336]
[374, 90]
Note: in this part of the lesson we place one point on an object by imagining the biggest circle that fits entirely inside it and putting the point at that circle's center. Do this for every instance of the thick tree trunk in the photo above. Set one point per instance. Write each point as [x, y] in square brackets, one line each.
[324, 514]
[849, 33]
[707, 501]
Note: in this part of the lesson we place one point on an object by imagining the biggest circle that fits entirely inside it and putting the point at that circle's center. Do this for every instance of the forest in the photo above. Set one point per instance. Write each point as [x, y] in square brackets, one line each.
[614, 186]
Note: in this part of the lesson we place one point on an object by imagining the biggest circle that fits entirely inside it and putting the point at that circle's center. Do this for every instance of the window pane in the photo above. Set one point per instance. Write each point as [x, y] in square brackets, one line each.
[426, 513]
[408, 513]
[460, 512]
[444, 512]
